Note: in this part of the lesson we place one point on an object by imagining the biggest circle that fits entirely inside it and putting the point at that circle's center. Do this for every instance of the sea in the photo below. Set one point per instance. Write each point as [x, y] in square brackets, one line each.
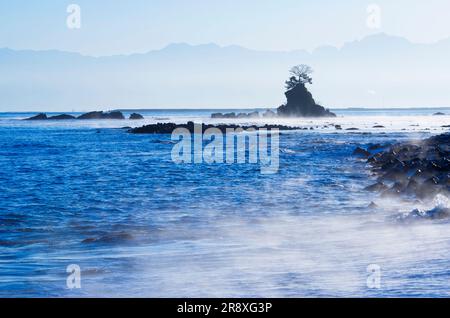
[88, 209]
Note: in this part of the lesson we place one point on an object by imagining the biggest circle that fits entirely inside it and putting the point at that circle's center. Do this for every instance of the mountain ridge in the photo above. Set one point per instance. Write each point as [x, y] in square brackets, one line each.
[377, 71]
[234, 46]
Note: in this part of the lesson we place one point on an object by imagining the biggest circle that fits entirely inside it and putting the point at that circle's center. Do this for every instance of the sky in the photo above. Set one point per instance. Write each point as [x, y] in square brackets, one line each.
[377, 73]
[124, 27]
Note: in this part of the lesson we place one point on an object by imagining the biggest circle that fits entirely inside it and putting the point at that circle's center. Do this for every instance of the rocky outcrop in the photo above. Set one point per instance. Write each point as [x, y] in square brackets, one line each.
[226, 115]
[87, 116]
[233, 115]
[437, 213]
[420, 169]
[102, 115]
[269, 114]
[300, 103]
[136, 116]
[168, 128]
[254, 114]
[62, 117]
[38, 117]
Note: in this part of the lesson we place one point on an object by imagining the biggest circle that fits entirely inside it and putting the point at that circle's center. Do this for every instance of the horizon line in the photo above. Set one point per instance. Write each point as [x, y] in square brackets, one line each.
[228, 109]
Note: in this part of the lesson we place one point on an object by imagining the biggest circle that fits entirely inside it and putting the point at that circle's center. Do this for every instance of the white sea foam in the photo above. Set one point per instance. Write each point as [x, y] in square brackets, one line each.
[307, 233]
[299, 256]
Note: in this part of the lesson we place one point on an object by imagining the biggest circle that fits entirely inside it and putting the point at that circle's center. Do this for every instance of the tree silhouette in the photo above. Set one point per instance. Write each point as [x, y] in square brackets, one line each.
[301, 75]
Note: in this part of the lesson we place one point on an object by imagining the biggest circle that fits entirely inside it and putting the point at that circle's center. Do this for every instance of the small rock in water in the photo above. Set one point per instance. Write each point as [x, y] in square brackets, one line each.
[437, 213]
[372, 205]
[136, 116]
[269, 114]
[361, 152]
[377, 187]
[376, 147]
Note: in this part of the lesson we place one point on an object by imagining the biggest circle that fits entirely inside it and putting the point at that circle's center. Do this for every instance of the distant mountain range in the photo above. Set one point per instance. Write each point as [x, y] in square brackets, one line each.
[377, 71]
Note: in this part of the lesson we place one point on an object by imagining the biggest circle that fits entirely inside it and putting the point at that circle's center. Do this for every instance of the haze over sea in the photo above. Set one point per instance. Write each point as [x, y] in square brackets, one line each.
[89, 193]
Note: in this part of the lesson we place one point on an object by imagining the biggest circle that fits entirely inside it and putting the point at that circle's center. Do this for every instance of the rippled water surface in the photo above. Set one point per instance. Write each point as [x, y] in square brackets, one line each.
[139, 225]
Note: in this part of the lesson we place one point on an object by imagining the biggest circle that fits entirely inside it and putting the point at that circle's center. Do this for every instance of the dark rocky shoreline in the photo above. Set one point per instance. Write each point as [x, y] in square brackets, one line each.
[168, 128]
[418, 169]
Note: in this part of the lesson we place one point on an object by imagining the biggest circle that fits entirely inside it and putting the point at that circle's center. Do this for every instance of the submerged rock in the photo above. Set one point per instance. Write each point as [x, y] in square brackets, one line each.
[376, 147]
[361, 152]
[109, 238]
[372, 205]
[377, 187]
[437, 213]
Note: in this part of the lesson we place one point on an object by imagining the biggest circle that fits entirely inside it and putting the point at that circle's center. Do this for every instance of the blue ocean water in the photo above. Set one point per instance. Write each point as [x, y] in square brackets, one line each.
[140, 225]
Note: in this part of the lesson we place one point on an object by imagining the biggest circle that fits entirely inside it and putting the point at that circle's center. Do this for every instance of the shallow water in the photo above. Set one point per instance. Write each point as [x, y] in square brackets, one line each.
[137, 224]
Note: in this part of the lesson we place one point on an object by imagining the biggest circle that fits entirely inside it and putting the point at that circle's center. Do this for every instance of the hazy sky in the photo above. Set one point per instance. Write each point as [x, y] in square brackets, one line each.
[117, 26]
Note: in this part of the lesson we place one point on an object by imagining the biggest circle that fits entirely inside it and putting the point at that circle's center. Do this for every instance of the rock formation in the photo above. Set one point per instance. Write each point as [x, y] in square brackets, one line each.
[300, 103]
[86, 116]
[420, 169]
[62, 117]
[269, 114]
[168, 128]
[102, 115]
[38, 117]
[136, 116]
[233, 115]
[221, 115]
